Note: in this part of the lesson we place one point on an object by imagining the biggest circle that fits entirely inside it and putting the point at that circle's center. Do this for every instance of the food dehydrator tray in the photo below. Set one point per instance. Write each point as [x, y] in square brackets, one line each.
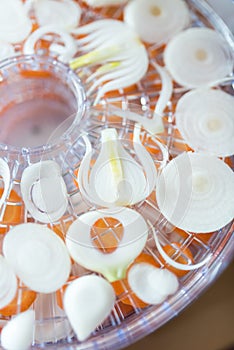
[125, 325]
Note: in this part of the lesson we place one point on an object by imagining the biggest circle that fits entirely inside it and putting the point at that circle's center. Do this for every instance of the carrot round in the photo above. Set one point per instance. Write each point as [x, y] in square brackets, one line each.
[20, 303]
[14, 211]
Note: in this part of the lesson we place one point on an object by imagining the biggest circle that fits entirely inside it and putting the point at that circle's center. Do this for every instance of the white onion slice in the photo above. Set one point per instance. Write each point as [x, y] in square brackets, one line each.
[126, 180]
[65, 52]
[38, 257]
[5, 175]
[17, 334]
[156, 21]
[151, 284]
[65, 13]
[197, 57]
[111, 41]
[6, 50]
[87, 302]
[113, 265]
[205, 119]
[195, 192]
[100, 3]
[8, 283]
[15, 25]
[44, 191]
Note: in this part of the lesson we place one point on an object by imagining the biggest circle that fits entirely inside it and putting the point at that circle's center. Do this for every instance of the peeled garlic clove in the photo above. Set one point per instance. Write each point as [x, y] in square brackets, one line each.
[150, 284]
[198, 57]
[205, 119]
[5, 174]
[195, 192]
[15, 25]
[87, 302]
[8, 283]
[44, 191]
[156, 21]
[65, 14]
[38, 257]
[113, 265]
[17, 334]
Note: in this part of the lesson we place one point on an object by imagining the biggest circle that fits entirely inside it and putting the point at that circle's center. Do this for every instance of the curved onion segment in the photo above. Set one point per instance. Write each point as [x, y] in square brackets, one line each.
[65, 14]
[64, 51]
[156, 21]
[87, 302]
[195, 192]
[14, 23]
[17, 334]
[126, 181]
[5, 175]
[44, 191]
[8, 283]
[198, 57]
[113, 266]
[151, 284]
[205, 119]
[38, 257]
[6, 50]
[100, 3]
[114, 46]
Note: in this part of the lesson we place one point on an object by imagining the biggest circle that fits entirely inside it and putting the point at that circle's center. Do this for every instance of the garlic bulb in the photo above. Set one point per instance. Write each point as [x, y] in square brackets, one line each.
[44, 191]
[126, 181]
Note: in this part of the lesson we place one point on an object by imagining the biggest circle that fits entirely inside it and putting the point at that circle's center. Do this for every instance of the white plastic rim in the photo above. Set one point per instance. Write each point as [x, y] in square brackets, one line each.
[195, 192]
[15, 25]
[8, 283]
[87, 302]
[205, 119]
[44, 191]
[65, 14]
[114, 265]
[38, 257]
[156, 21]
[198, 57]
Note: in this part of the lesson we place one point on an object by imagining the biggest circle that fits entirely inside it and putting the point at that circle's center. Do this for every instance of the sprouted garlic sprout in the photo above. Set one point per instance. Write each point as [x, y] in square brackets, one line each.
[19, 331]
[126, 181]
[205, 119]
[151, 284]
[44, 191]
[64, 52]
[112, 266]
[38, 257]
[156, 21]
[195, 192]
[114, 45]
[198, 57]
[15, 25]
[87, 302]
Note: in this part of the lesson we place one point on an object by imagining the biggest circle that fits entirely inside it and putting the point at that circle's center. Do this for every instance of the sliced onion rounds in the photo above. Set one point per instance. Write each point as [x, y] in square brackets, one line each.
[195, 192]
[156, 21]
[100, 3]
[38, 257]
[87, 302]
[14, 23]
[198, 57]
[65, 14]
[44, 191]
[205, 119]
[65, 52]
[17, 334]
[5, 175]
[113, 266]
[8, 283]
[151, 284]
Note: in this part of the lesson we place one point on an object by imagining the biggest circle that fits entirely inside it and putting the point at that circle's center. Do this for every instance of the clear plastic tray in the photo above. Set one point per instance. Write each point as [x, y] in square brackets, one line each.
[123, 326]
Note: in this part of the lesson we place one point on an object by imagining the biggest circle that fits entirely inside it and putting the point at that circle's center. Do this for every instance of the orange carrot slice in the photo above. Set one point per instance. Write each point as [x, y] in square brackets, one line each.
[20, 303]
[14, 211]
